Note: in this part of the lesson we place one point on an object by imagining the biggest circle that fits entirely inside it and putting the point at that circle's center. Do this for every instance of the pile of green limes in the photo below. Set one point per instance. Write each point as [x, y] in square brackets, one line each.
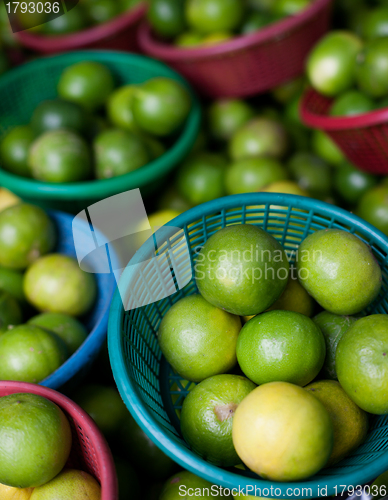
[94, 130]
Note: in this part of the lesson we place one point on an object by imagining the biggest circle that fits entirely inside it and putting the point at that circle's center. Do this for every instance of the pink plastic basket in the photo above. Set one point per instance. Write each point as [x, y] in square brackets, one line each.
[118, 34]
[363, 138]
[90, 452]
[248, 64]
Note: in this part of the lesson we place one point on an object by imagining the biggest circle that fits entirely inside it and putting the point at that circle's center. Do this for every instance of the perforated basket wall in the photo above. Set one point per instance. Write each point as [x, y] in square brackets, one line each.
[249, 64]
[363, 138]
[154, 394]
[89, 451]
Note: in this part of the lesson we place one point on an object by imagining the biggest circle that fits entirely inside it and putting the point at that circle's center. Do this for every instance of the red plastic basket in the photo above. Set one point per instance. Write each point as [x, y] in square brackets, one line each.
[363, 138]
[248, 64]
[118, 34]
[89, 452]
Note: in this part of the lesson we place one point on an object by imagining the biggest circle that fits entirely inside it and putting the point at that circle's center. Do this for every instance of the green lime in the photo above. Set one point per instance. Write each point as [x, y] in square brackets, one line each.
[30, 354]
[210, 16]
[10, 312]
[283, 8]
[160, 106]
[188, 39]
[259, 137]
[119, 107]
[339, 271]
[255, 21]
[69, 484]
[225, 117]
[375, 23]
[12, 282]
[312, 174]
[352, 183]
[326, 148]
[372, 68]
[144, 455]
[26, 233]
[70, 330]
[350, 423]
[252, 174]
[103, 404]
[14, 150]
[60, 156]
[58, 114]
[362, 363]
[100, 11]
[167, 17]
[351, 103]
[282, 432]
[281, 346]
[294, 298]
[55, 283]
[36, 440]
[88, 84]
[333, 327]
[373, 207]
[331, 66]
[74, 20]
[291, 114]
[207, 417]
[118, 152]
[199, 339]
[241, 269]
[201, 178]
[289, 91]
[181, 486]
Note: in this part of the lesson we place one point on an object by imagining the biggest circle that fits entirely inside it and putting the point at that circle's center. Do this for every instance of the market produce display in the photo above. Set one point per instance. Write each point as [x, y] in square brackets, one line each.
[192, 23]
[85, 14]
[264, 362]
[33, 280]
[67, 141]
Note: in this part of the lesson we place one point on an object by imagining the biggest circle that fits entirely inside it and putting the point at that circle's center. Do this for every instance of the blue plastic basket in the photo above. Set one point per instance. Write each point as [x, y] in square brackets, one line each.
[153, 392]
[96, 321]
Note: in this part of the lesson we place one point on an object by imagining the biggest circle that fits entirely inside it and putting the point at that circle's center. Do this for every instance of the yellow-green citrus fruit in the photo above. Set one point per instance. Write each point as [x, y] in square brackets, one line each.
[199, 339]
[282, 432]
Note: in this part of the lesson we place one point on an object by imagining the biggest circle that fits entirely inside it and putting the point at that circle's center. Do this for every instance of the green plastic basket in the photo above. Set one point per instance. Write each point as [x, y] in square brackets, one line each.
[26, 86]
[153, 392]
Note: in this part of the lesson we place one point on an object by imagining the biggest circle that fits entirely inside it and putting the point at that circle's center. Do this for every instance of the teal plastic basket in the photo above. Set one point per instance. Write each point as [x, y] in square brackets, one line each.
[153, 392]
[23, 88]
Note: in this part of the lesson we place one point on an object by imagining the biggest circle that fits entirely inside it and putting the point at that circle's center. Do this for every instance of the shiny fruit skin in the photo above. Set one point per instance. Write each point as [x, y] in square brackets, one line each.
[36, 440]
[282, 432]
[362, 363]
[331, 66]
[30, 354]
[26, 233]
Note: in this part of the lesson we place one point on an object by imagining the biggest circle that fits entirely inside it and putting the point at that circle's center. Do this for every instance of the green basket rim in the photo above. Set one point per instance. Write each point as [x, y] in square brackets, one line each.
[129, 393]
[139, 178]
